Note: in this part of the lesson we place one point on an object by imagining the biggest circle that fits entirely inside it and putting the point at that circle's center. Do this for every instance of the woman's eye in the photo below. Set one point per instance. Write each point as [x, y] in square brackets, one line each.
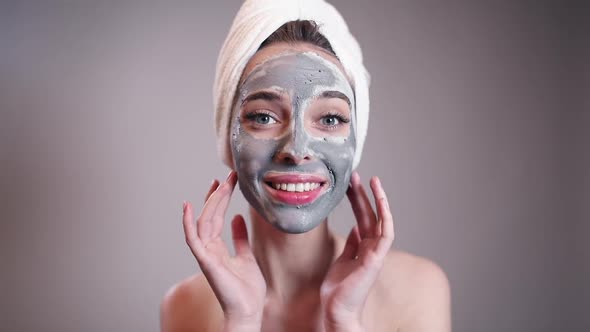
[265, 119]
[330, 121]
[261, 118]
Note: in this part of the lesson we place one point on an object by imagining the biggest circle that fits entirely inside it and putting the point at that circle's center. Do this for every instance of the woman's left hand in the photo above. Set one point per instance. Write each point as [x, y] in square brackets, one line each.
[350, 278]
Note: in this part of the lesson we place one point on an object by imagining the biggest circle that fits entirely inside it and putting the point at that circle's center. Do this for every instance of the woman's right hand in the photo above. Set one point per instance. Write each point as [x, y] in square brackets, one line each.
[236, 280]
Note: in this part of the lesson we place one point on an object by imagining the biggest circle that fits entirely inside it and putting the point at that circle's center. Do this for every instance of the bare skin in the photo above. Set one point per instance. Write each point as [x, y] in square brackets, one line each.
[313, 281]
[410, 293]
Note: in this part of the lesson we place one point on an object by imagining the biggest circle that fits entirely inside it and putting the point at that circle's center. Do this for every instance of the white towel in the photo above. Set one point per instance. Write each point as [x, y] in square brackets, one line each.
[258, 19]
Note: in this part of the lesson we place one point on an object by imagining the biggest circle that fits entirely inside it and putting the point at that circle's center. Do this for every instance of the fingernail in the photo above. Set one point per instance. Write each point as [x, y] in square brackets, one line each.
[183, 206]
[229, 175]
[357, 177]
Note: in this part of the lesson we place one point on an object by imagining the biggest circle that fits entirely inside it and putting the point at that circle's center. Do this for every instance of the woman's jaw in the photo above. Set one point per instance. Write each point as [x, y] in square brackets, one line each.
[307, 199]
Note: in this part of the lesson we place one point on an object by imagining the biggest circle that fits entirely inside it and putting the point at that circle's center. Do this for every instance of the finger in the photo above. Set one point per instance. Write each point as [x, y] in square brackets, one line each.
[240, 236]
[190, 230]
[360, 214]
[229, 185]
[352, 243]
[384, 215]
[361, 206]
[212, 189]
[210, 209]
[204, 227]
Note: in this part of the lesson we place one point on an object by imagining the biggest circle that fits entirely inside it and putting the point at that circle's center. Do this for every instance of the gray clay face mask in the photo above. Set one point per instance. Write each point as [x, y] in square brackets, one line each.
[293, 179]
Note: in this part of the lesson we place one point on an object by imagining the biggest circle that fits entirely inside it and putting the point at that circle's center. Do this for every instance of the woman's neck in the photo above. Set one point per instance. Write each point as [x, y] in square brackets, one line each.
[292, 263]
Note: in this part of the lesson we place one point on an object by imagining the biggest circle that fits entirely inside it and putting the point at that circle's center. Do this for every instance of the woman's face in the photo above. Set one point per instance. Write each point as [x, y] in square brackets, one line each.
[293, 135]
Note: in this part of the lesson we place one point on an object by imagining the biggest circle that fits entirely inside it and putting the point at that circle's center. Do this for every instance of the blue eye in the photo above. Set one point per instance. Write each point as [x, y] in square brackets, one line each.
[332, 120]
[261, 118]
[329, 121]
[265, 119]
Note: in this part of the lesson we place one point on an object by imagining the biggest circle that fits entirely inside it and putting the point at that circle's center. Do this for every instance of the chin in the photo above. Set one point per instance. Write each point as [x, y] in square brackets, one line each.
[294, 227]
[290, 218]
[295, 222]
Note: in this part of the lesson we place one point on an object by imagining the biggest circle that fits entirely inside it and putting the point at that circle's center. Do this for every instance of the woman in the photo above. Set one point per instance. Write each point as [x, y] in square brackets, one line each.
[291, 120]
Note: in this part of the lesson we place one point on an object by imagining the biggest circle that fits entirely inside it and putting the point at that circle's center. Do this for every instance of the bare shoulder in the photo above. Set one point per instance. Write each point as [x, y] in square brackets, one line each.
[190, 305]
[410, 269]
[418, 289]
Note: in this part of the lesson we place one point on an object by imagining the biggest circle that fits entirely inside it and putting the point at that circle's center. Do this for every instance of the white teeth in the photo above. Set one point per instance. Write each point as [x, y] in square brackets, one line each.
[298, 187]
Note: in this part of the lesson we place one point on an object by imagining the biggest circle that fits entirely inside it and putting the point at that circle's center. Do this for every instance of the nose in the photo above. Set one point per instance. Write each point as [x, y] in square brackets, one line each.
[293, 150]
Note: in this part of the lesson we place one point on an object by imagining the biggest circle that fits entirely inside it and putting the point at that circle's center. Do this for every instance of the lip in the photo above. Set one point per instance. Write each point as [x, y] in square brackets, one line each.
[293, 197]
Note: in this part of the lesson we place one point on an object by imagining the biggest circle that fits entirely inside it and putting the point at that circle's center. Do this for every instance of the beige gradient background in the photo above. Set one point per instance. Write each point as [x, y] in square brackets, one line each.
[477, 130]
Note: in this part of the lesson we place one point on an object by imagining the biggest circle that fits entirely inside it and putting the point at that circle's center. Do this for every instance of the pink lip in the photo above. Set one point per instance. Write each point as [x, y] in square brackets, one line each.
[292, 197]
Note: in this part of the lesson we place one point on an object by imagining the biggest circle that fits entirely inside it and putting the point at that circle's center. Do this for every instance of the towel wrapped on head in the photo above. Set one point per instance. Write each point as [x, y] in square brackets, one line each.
[257, 20]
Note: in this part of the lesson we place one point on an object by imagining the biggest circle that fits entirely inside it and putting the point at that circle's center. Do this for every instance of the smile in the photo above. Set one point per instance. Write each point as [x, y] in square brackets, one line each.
[298, 187]
[295, 188]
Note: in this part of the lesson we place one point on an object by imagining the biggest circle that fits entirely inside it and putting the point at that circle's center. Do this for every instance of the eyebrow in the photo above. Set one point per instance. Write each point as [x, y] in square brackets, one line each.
[335, 94]
[262, 95]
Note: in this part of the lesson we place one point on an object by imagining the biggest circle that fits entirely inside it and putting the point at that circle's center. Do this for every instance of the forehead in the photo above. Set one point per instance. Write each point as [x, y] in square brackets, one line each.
[301, 69]
[282, 48]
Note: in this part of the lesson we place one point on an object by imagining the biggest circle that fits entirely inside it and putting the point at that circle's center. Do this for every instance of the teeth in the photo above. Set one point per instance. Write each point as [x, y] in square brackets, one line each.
[298, 187]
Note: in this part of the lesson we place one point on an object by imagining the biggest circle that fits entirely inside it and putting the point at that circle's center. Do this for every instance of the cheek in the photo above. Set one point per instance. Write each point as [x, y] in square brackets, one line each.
[338, 151]
[251, 154]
